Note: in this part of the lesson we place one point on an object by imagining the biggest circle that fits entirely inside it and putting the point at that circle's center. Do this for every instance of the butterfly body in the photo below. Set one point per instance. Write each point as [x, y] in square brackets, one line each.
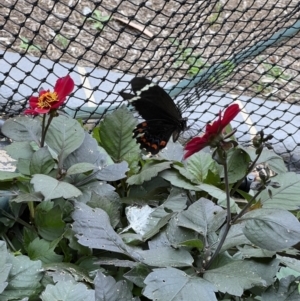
[163, 118]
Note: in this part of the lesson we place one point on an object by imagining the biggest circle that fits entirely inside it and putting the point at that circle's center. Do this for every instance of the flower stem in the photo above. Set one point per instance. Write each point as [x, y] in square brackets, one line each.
[246, 207]
[228, 220]
[43, 131]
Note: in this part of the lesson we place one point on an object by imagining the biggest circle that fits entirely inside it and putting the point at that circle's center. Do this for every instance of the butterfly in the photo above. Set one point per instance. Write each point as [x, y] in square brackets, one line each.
[163, 118]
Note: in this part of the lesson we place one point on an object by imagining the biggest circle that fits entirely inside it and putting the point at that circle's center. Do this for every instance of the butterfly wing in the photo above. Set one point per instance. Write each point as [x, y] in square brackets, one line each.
[162, 117]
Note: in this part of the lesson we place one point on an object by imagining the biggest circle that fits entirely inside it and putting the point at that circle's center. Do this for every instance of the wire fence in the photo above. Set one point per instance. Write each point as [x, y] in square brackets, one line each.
[208, 54]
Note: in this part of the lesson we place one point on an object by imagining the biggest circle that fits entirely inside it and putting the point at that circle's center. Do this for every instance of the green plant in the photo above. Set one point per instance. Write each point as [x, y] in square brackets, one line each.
[27, 45]
[62, 40]
[275, 72]
[216, 14]
[185, 55]
[95, 220]
[98, 19]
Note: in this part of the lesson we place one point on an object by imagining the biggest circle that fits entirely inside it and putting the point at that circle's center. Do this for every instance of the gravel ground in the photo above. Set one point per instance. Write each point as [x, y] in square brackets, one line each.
[183, 31]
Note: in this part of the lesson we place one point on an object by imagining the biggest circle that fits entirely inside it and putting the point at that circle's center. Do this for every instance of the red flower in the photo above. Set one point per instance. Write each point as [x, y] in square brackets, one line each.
[47, 101]
[213, 133]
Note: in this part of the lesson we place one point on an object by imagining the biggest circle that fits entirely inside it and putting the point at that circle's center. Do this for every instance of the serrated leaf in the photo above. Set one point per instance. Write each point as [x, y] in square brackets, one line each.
[27, 197]
[67, 291]
[41, 162]
[22, 128]
[64, 136]
[199, 215]
[239, 275]
[149, 171]
[286, 196]
[40, 249]
[170, 284]
[116, 133]
[199, 165]
[51, 188]
[167, 257]
[24, 278]
[80, 168]
[271, 229]
[107, 289]
[93, 229]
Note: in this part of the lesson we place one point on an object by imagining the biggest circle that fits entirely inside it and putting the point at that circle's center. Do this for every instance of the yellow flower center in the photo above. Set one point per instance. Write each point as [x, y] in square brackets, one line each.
[46, 100]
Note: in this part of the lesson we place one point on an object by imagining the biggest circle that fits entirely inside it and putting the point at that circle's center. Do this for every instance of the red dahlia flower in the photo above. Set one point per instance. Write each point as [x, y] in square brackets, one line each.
[48, 101]
[213, 133]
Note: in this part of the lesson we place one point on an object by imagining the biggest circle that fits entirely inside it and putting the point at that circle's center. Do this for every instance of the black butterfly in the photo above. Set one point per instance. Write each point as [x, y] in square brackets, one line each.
[162, 117]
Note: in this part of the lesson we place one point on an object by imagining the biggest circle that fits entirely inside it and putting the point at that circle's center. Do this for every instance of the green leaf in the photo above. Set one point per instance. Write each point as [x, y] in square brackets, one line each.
[172, 152]
[64, 136]
[49, 222]
[192, 243]
[51, 188]
[18, 150]
[137, 275]
[113, 172]
[67, 291]
[167, 257]
[115, 133]
[170, 284]
[290, 262]
[22, 128]
[220, 195]
[110, 203]
[4, 266]
[240, 275]
[40, 249]
[80, 168]
[271, 229]
[286, 272]
[24, 278]
[41, 162]
[93, 229]
[286, 196]
[23, 166]
[9, 176]
[238, 163]
[285, 290]
[176, 200]
[107, 289]
[27, 197]
[177, 180]
[201, 216]
[199, 165]
[274, 161]
[149, 171]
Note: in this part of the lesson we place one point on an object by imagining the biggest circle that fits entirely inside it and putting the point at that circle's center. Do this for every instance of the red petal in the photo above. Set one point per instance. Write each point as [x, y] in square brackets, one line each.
[33, 101]
[30, 112]
[63, 87]
[195, 145]
[229, 114]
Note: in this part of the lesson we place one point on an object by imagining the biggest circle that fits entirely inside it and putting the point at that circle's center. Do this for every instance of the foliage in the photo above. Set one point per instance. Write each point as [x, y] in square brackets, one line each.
[86, 218]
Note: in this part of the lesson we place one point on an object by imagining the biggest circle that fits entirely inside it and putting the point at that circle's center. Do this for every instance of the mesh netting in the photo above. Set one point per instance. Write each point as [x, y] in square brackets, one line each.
[214, 52]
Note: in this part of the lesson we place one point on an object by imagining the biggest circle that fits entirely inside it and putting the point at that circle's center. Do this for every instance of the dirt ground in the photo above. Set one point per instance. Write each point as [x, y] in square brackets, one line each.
[187, 36]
